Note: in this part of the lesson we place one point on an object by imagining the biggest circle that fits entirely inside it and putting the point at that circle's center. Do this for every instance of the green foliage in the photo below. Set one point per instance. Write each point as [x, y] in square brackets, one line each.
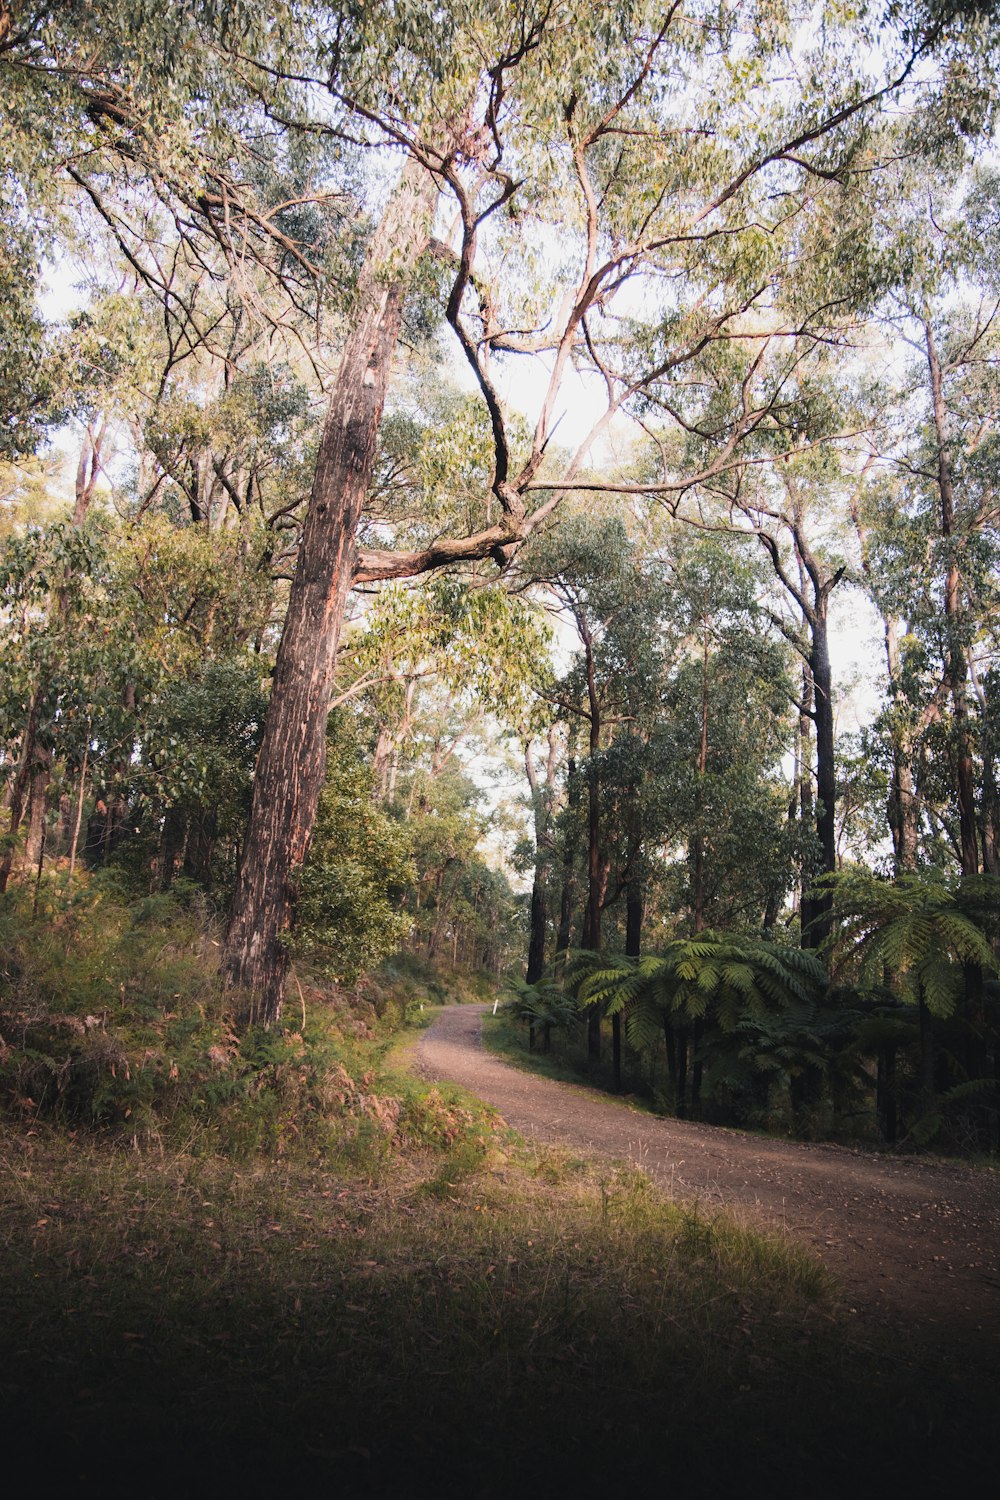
[200, 741]
[113, 1022]
[923, 930]
[719, 975]
[349, 912]
[545, 1005]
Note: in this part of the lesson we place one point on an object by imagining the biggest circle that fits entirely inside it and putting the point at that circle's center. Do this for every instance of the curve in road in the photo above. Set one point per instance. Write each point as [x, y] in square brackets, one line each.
[909, 1239]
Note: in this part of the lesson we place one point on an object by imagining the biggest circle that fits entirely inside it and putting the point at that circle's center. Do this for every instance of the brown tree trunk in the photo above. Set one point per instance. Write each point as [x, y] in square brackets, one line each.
[19, 792]
[596, 871]
[806, 802]
[78, 818]
[290, 766]
[826, 771]
[41, 776]
[957, 662]
[568, 894]
[541, 799]
[634, 911]
[698, 842]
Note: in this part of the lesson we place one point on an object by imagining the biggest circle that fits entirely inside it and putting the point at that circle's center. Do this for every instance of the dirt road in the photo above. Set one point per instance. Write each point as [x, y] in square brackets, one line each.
[909, 1240]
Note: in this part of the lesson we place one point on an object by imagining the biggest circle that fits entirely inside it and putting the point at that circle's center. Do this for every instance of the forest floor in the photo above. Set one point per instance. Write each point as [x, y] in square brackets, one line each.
[912, 1242]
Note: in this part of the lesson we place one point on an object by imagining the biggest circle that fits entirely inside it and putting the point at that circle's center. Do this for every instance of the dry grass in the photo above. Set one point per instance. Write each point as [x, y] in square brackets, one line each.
[193, 1323]
[281, 1264]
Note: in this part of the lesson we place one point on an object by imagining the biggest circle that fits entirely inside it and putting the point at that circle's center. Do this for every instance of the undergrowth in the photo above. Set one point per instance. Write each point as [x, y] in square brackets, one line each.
[112, 1020]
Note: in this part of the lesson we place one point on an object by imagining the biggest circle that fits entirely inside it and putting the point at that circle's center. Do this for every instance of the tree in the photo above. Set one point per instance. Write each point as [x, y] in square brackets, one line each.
[924, 936]
[544, 119]
[715, 978]
[350, 912]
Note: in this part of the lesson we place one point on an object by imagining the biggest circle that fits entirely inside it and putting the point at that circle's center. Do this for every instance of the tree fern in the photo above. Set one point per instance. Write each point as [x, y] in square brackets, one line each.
[717, 975]
[924, 929]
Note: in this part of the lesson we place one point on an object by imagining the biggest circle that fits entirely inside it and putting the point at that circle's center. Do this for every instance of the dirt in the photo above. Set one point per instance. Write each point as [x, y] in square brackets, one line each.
[909, 1240]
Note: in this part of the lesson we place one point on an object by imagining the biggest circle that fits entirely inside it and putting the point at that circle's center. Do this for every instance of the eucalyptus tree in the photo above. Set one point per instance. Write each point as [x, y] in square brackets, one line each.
[927, 517]
[632, 156]
[792, 514]
[542, 783]
[611, 596]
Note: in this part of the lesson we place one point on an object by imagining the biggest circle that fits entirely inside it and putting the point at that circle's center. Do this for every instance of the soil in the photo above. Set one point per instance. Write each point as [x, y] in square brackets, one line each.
[911, 1241]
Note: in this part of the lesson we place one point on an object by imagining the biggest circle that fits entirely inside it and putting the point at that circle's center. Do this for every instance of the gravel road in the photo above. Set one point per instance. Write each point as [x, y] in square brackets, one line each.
[909, 1240]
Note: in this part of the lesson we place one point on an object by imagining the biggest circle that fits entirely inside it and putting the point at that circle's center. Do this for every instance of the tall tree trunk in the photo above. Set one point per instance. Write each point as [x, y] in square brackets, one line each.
[826, 770]
[290, 766]
[38, 790]
[807, 905]
[698, 842]
[541, 802]
[634, 910]
[596, 871]
[568, 894]
[19, 791]
[957, 661]
[539, 922]
[78, 817]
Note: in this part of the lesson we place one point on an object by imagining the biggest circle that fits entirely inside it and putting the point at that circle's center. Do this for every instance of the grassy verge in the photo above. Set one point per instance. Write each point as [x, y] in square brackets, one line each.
[466, 1313]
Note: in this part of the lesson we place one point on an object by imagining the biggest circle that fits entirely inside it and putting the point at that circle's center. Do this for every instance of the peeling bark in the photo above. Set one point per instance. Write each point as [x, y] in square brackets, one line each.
[290, 765]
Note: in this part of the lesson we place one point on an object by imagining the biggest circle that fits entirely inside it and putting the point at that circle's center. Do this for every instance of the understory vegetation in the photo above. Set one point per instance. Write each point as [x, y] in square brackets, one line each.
[733, 1031]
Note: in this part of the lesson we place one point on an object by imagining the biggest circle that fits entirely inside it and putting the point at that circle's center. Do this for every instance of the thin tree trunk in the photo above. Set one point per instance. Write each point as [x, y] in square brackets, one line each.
[541, 801]
[41, 776]
[826, 771]
[38, 874]
[634, 910]
[806, 801]
[596, 872]
[957, 662]
[568, 893]
[19, 792]
[698, 842]
[78, 818]
[539, 922]
[290, 766]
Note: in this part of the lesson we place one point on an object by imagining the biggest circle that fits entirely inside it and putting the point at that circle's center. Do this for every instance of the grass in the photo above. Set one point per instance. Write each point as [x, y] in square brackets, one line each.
[285, 1264]
[446, 1325]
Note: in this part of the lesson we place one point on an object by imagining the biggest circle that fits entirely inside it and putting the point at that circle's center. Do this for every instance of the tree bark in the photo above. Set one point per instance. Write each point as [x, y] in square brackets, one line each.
[957, 662]
[19, 791]
[826, 770]
[568, 893]
[634, 911]
[541, 801]
[596, 874]
[78, 818]
[290, 765]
